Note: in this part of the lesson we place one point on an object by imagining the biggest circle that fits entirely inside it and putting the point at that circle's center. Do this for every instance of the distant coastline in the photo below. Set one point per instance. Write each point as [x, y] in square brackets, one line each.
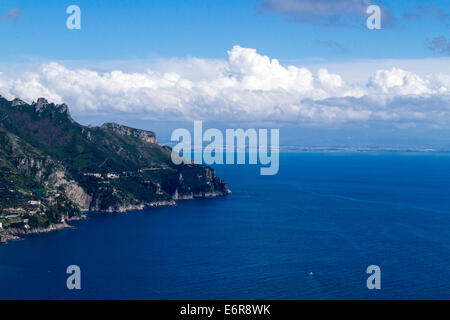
[293, 148]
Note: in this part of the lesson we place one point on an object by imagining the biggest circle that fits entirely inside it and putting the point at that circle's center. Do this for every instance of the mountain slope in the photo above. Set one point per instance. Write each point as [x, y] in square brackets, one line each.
[46, 156]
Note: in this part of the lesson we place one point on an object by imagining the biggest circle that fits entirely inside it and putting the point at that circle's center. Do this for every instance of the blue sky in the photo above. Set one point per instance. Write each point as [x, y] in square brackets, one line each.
[311, 67]
[172, 28]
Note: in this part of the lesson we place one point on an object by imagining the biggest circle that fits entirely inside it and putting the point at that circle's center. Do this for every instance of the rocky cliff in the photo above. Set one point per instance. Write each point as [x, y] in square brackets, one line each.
[146, 136]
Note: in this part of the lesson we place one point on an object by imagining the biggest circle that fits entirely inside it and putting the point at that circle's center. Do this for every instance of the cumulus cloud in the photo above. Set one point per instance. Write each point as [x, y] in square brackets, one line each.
[399, 82]
[246, 87]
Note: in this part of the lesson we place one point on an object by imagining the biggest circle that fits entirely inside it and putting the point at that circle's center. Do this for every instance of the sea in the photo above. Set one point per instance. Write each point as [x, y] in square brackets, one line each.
[309, 232]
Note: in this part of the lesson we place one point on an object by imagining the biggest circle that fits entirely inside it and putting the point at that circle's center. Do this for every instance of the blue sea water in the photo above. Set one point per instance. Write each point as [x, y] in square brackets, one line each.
[332, 214]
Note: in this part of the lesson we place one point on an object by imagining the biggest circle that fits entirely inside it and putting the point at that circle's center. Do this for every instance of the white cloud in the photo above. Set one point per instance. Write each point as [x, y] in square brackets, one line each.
[246, 87]
[401, 82]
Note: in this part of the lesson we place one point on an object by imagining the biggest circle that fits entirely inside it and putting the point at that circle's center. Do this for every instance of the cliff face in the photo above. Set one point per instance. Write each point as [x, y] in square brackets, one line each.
[52, 168]
[146, 136]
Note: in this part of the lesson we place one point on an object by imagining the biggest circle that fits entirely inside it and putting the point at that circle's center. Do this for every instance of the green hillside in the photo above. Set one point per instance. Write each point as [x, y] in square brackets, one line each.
[52, 168]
